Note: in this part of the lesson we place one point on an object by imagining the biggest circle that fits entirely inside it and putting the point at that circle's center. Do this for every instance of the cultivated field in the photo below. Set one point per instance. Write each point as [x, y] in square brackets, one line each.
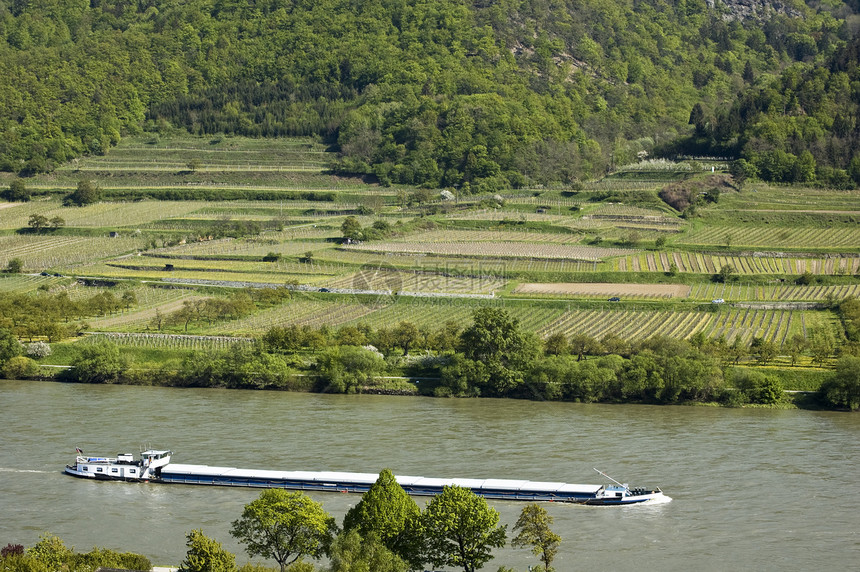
[603, 289]
[550, 257]
[708, 263]
[494, 250]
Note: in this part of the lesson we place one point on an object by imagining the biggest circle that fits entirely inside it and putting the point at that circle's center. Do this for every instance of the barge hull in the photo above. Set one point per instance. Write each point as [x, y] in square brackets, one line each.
[360, 483]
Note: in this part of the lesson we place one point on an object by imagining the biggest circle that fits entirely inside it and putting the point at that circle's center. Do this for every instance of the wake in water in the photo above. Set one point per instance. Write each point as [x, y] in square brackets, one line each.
[5, 470]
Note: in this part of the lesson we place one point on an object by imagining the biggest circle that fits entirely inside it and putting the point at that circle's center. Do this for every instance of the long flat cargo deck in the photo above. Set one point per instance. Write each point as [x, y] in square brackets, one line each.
[505, 489]
[156, 466]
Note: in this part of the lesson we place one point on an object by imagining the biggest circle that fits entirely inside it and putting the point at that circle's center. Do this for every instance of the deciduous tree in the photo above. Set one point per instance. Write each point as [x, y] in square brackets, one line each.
[37, 222]
[351, 228]
[98, 363]
[533, 527]
[284, 526]
[9, 345]
[389, 513]
[843, 389]
[206, 555]
[86, 193]
[407, 335]
[352, 552]
[17, 191]
[461, 530]
[14, 266]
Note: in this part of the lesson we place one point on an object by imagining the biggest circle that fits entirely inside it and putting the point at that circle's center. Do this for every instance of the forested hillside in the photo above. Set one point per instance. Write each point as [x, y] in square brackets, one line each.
[800, 126]
[479, 95]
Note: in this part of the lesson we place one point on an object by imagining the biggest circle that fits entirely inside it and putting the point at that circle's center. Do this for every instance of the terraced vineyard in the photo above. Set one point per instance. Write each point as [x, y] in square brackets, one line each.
[63, 252]
[207, 276]
[472, 265]
[774, 325]
[99, 215]
[703, 263]
[494, 250]
[607, 238]
[472, 236]
[630, 325]
[167, 341]
[384, 279]
[21, 283]
[301, 312]
[216, 154]
[602, 290]
[766, 199]
[740, 292]
[766, 238]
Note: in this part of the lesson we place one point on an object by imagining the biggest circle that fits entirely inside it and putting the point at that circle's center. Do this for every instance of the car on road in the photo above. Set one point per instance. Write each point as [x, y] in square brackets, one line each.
[615, 299]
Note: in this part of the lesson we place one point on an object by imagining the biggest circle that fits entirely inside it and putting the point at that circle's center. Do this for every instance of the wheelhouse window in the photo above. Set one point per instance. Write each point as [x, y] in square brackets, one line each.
[114, 470]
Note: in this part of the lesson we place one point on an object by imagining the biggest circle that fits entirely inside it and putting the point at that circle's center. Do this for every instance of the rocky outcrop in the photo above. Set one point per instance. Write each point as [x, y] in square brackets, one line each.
[756, 9]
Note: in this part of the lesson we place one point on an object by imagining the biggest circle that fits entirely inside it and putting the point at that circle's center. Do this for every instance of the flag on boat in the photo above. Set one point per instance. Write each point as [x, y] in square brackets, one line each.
[78, 449]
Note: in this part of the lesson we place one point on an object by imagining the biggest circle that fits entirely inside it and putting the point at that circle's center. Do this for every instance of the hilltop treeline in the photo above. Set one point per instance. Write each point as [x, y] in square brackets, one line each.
[479, 95]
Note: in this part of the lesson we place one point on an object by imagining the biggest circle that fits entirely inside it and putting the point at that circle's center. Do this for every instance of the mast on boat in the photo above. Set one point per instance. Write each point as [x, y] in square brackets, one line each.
[625, 487]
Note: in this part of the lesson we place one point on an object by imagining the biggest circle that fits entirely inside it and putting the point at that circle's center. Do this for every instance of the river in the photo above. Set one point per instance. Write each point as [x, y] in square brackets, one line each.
[753, 489]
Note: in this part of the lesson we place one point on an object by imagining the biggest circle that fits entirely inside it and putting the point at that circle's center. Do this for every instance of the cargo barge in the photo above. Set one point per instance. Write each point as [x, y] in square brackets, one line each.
[155, 466]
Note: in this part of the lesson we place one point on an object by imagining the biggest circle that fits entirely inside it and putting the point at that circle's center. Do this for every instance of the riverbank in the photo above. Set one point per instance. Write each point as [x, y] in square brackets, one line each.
[793, 388]
[492, 357]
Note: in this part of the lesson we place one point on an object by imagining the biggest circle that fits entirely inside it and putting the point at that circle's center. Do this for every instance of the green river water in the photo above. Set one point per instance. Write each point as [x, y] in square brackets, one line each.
[753, 489]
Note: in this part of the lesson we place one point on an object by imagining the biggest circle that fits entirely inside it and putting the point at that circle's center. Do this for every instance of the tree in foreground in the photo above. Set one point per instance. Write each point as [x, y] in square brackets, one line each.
[353, 553]
[534, 531]
[284, 526]
[206, 555]
[460, 529]
[390, 514]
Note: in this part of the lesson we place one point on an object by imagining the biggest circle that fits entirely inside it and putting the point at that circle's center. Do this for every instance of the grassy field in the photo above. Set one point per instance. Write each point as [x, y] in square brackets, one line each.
[551, 257]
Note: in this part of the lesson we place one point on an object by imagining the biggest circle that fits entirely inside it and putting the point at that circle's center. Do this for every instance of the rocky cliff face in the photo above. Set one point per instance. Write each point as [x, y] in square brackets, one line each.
[757, 9]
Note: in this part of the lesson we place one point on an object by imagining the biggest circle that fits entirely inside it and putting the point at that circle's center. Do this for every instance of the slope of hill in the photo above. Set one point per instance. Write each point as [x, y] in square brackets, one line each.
[800, 126]
[478, 95]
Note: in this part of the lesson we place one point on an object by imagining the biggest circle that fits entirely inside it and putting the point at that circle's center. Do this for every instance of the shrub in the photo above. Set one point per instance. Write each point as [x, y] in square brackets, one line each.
[758, 388]
[98, 363]
[39, 350]
[346, 369]
[107, 558]
[677, 196]
[20, 367]
[11, 550]
[14, 266]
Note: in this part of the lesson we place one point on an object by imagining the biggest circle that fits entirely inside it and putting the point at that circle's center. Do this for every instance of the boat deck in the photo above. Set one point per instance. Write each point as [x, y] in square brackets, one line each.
[361, 482]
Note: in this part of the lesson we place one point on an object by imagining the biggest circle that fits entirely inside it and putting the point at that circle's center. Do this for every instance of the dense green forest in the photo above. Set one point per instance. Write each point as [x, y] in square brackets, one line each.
[800, 126]
[476, 95]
